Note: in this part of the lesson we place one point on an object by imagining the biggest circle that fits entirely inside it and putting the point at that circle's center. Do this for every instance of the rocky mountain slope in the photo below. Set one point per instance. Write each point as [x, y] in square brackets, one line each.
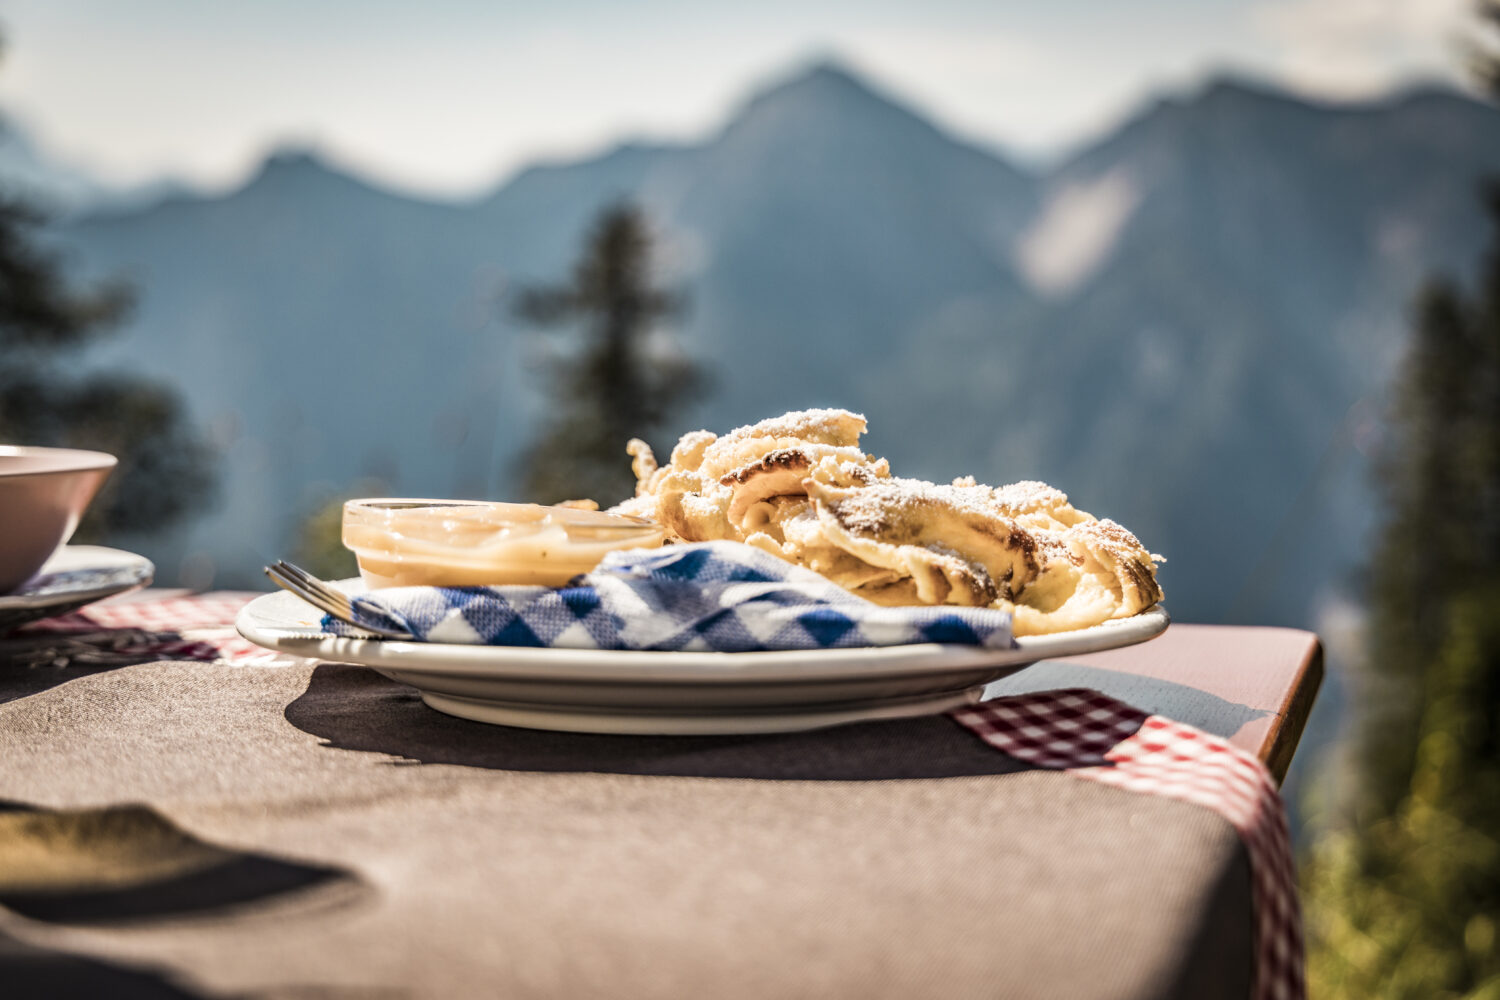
[1185, 325]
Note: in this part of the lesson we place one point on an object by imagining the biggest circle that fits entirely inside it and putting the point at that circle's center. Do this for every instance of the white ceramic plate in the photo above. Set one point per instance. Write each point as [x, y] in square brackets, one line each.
[599, 691]
[75, 575]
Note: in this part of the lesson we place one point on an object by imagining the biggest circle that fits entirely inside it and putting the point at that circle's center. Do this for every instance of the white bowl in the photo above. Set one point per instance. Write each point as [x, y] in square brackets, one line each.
[43, 494]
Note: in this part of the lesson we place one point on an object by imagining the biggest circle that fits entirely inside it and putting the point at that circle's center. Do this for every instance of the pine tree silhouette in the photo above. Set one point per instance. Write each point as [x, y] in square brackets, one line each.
[609, 383]
[1404, 901]
[165, 469]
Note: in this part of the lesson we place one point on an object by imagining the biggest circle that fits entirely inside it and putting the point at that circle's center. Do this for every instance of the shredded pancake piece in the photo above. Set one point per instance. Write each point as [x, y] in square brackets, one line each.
[798, 486]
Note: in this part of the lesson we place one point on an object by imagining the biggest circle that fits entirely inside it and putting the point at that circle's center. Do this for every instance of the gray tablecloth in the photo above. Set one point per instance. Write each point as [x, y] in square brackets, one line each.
[186, 829]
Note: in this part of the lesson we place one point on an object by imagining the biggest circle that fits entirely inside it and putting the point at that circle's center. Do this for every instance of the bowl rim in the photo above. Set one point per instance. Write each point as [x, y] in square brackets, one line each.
[597, 519]
[70, 460]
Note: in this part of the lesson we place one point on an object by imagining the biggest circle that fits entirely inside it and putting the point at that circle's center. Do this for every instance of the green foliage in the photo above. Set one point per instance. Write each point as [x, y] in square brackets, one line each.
[1405, 901]
[38, 311]
[1407, 904]
[320, 543]
[608, 384]
[319, 547]
[165, 470]
[1484, 53]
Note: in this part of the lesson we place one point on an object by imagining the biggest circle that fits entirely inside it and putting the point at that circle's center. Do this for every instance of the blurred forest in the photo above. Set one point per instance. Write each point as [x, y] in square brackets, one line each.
[1403, 895]
[165, 470]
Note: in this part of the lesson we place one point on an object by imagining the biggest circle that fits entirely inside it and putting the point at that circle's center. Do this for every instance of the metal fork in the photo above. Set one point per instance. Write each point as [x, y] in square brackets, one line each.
[325, 597]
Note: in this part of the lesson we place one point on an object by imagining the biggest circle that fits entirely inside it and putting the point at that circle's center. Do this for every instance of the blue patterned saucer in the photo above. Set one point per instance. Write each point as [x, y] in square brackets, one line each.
[75, 575]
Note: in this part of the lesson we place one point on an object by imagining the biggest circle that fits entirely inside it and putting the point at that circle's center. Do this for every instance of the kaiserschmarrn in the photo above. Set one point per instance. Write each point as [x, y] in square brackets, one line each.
[799, 486]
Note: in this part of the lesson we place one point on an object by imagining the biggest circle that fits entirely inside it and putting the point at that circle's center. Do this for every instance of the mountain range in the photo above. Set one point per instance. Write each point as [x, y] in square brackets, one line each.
[62, 189]
[1188, 325]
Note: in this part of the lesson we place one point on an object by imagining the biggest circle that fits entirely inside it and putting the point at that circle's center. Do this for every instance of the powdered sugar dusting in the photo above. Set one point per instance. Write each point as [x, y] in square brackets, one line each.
[819, 425]
[872, 508]
[1029, 496]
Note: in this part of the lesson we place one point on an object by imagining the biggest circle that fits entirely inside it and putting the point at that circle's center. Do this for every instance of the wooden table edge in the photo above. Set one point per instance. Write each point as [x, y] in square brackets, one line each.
[1281, 739]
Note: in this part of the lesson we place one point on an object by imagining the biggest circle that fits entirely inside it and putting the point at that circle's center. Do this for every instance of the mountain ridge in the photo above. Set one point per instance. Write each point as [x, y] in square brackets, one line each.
[1233, 85]
[1171, 325]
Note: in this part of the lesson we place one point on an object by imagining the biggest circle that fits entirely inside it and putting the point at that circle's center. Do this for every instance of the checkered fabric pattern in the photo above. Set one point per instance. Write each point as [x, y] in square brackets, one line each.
[1099, 739]
[199, 627]
[711, 596]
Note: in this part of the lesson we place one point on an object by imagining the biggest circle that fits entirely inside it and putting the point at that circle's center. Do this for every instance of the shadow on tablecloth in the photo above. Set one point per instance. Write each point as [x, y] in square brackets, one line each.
[32, 973]
[129, 863]
[353, 708]
[21, 680]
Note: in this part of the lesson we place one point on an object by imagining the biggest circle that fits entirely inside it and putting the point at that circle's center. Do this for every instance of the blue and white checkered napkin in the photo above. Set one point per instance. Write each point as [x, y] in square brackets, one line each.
[710, 596]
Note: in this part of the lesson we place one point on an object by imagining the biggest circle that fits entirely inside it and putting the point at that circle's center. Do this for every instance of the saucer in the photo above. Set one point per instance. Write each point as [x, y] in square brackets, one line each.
[75, 575]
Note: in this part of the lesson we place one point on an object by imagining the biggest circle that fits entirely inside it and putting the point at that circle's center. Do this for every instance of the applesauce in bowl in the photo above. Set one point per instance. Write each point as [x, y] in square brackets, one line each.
[470, 543]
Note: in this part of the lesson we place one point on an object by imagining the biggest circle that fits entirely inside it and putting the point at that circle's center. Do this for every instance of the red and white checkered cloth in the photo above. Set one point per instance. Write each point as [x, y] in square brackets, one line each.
[1096, 738]
[1083, 732]
[198, 627]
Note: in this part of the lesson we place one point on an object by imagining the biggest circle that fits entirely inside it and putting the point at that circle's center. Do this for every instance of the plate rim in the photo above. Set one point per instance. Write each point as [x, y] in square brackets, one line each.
[145, 573]
[653, 667]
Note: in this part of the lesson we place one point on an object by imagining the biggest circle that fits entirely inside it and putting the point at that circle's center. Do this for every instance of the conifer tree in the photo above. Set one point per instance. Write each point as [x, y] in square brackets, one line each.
[1405, 901]
[165, 469]
[609, 381]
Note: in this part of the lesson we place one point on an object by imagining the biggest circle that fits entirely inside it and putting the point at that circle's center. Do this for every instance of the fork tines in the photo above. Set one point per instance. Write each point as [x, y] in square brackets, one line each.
[323, 596]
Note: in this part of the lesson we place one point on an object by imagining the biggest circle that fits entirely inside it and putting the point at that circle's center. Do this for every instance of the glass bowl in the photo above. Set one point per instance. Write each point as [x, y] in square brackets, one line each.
[470, 543]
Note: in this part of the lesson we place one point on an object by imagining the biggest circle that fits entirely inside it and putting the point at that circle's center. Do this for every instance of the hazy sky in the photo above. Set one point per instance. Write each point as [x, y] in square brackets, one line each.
[449, 95]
